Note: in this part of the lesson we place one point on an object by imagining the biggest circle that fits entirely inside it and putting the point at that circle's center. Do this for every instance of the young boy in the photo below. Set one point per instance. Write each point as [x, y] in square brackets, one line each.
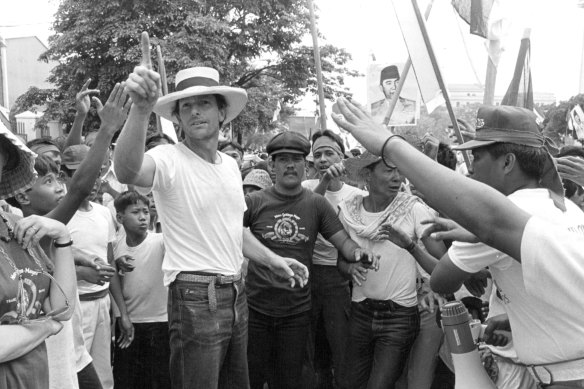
[143, 362]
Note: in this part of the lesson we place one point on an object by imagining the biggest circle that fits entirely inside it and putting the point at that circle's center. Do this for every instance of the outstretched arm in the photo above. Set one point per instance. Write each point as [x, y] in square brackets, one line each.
[112, 117]
[82, 104]
[477, 207]
[143, 86]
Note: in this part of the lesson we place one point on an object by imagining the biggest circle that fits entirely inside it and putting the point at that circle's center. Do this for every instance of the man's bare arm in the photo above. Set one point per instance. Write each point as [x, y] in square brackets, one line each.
[477, 207]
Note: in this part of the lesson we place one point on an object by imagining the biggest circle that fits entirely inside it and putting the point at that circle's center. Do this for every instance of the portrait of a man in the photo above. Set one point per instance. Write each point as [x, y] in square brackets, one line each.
[404, 112]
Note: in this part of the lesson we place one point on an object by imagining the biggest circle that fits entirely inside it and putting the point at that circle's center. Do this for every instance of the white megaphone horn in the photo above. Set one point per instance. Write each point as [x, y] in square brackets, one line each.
[468, 370]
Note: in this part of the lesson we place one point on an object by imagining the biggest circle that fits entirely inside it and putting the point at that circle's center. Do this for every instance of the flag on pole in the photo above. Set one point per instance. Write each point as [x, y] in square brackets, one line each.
[476, 14]
[423, 59]
[520, 92]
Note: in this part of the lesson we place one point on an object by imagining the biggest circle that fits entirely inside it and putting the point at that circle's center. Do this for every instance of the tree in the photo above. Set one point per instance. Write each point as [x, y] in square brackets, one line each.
[255, 44]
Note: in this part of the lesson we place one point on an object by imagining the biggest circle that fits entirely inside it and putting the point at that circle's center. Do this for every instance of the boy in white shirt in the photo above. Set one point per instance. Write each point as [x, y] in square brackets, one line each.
[142, 362]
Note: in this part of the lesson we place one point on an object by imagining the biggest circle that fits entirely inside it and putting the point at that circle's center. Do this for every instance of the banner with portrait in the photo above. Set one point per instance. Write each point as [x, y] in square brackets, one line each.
[382, 82]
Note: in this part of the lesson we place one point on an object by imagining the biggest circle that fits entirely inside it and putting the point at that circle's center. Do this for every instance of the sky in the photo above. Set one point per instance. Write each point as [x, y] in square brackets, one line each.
[369, 26]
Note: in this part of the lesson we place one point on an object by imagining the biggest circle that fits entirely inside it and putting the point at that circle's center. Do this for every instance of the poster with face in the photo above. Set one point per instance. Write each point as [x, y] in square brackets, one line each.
[382, 82]
[577, 121]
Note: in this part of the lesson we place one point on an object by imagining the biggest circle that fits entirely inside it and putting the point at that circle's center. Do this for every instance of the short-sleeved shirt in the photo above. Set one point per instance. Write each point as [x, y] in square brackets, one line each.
[201, 206]
[324, 252]
[143, 288]
[396, 278]
[542, 332]
[287, 225]
[91, 232]
[31, 369]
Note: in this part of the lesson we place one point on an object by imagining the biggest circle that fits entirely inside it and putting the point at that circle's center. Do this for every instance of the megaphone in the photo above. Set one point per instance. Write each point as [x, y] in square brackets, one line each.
[468, 369]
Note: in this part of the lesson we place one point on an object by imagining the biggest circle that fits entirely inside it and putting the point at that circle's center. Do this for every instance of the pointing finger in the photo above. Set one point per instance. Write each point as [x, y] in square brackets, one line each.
[86, 85]
[145, 45]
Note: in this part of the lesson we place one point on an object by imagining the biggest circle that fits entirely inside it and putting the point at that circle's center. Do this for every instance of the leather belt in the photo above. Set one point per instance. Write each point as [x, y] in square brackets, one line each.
[212, 280]
[94, 295]
[380, 305]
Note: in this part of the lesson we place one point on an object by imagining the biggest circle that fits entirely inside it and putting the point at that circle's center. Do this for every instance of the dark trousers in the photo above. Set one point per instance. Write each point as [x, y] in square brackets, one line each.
[144, 364]
[87, 378]
[276, 349]
[208, 348]
[379, 344]
[331, 305]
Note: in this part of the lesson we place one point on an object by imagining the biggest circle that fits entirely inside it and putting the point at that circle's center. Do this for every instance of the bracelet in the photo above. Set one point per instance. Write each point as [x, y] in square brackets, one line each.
[383, 148]
[411, 247]
[62, 245]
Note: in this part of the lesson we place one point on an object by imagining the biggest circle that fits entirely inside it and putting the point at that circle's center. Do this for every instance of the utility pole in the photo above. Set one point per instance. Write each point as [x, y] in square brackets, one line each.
[317, 65]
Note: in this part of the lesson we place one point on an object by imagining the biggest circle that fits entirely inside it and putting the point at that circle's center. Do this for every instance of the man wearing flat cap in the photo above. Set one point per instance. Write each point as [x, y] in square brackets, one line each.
[511, 155]
[404, 111]
[198, 192]
[287, 219]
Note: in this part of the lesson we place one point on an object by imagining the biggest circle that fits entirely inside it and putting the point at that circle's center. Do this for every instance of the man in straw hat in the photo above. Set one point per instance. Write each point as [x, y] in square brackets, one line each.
[198, 192]
[550, 252]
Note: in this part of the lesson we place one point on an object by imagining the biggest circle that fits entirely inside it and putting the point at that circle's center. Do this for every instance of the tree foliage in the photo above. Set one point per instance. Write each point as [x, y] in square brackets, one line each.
[254, 44]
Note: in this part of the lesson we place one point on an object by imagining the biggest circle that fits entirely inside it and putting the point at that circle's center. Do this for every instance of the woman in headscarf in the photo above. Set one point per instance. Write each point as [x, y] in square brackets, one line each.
[36, 292]
[384, 319]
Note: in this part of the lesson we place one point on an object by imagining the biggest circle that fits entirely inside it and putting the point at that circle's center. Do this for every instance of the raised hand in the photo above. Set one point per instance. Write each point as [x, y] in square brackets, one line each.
[430, 145]
[115, 111]
[354, 118]
[571, 168]
[336, 170]
[143, 85]
[82, 102]
[441, 228]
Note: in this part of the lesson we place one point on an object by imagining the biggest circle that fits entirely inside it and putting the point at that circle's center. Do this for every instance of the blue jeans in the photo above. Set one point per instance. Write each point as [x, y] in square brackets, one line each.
[144, 364]
[378, 346]
[331, 303]
[208, 349]
[276, 349]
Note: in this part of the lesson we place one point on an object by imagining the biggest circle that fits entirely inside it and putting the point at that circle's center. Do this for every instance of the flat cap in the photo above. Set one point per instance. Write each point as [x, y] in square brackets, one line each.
[288, 142]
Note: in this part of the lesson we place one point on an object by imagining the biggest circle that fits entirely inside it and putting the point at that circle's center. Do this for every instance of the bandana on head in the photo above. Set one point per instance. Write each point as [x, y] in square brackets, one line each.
[326, 142]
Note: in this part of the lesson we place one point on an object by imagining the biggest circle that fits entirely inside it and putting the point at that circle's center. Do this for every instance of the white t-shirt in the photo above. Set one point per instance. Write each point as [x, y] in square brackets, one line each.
[143, 288]
[542, 330]
[324, 252]
[201, 207]
[396, 278]
[91, 232]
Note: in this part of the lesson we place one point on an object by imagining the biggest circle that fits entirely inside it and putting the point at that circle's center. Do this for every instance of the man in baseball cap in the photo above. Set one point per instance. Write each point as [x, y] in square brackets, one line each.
[511, 155]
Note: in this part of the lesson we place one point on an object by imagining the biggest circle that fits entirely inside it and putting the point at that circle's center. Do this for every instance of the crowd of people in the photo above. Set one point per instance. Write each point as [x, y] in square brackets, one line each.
[156, 264]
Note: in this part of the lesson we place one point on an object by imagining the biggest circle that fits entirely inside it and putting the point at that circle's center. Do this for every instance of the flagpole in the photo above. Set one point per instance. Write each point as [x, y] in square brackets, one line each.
[317, 65]
[439, 79]
[403, 75]
[491, 77]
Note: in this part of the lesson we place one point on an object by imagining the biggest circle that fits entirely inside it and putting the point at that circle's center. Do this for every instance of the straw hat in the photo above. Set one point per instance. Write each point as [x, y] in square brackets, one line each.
[18, 173]
[201, 81]
[354, 166]
[259, 178]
